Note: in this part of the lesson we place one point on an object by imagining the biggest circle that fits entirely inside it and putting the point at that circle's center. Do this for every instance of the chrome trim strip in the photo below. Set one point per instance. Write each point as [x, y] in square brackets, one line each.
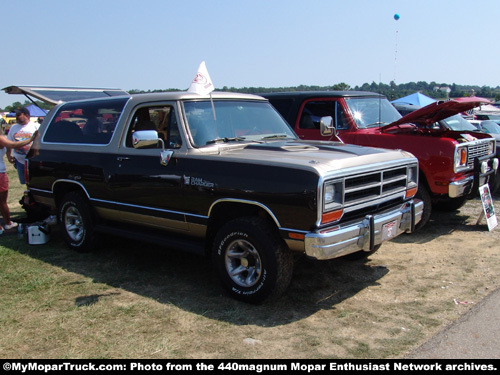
[234, 200]
[73, 182]
[119, 203]
[147, 208]
[294, 230]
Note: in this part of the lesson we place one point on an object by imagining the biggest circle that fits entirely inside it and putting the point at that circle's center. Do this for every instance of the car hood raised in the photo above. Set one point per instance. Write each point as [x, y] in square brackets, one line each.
[438, 111]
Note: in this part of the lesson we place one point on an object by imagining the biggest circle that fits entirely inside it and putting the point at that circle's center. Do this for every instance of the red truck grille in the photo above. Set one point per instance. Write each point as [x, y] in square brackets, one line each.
[475, 151]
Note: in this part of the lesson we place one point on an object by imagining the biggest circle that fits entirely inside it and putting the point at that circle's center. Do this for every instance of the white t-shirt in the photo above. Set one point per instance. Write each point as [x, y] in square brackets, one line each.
[20, 133]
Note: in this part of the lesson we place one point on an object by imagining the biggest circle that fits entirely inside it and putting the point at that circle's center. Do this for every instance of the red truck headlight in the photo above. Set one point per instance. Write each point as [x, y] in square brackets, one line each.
[460, 157]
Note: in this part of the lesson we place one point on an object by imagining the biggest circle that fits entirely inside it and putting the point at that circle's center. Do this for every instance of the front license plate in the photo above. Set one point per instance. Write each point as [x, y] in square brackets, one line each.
[389, 230]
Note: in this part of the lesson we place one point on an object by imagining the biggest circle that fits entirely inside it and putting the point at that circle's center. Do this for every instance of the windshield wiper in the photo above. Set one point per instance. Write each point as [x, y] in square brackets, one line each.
[378, 123]
[225, 140]
[275, 136]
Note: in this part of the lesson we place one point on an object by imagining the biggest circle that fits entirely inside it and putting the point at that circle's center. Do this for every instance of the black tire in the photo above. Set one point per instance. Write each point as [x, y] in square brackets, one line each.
[424, 195]
[251, 260]
[450, 205]
[358, 255]
[76, 222]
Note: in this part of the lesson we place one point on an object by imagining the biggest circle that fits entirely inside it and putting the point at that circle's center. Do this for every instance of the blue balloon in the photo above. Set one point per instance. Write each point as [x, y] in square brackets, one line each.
[396, 16]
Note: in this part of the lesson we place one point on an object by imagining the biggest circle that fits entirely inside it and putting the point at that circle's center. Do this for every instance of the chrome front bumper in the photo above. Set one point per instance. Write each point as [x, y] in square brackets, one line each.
[461, 187]
[364, 234]
[470, 184]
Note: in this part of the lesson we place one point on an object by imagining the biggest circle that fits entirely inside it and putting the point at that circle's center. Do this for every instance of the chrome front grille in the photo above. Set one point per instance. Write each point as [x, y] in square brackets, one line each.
[375, 186]
[476, 150]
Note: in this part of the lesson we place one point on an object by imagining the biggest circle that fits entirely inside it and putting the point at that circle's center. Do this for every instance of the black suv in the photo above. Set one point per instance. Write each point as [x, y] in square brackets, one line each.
[222, 175]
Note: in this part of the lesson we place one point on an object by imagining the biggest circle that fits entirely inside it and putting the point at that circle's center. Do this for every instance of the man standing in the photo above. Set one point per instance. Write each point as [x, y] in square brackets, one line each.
[24, 129]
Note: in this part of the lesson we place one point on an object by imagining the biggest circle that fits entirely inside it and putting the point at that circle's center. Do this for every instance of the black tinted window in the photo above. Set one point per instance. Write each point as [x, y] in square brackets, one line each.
[85, 122]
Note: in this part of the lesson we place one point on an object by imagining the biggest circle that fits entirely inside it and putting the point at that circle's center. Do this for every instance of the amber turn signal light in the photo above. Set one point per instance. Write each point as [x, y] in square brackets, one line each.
[410, 193]
[328, 217]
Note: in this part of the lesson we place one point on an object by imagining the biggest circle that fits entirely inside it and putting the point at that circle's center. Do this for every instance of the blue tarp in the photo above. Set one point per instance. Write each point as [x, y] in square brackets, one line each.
[36, 111]
[414, 99]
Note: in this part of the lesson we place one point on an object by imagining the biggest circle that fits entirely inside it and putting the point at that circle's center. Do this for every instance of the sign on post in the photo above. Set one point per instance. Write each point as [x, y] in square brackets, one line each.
[489, 210]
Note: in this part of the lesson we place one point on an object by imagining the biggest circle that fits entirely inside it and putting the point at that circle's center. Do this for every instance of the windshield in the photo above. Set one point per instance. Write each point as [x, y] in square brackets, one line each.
[495, 118]
[457, 122]
[234, 121]
[372, 112]
[490, 127]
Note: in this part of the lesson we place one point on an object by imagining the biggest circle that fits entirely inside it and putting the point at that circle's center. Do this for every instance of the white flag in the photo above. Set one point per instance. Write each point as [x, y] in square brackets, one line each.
[202, 84]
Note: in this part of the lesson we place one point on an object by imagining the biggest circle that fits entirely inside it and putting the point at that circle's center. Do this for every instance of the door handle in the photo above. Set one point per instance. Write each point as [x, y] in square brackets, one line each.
[122, 158]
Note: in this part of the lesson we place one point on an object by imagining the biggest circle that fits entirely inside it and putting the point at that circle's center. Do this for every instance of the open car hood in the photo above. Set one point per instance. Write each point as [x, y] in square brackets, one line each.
[56, 95]
[438, 111]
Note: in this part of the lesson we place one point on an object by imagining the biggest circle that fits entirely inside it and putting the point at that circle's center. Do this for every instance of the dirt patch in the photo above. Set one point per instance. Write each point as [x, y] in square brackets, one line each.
[131, 300]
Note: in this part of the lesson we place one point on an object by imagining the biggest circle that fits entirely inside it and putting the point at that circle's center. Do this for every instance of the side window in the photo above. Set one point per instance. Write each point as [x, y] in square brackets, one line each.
[162, 119]
[341, 119]
[313, 111]
[85, 123]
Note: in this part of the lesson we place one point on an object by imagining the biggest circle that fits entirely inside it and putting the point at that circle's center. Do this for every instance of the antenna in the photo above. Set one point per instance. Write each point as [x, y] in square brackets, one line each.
[380, 99]
[396, 18]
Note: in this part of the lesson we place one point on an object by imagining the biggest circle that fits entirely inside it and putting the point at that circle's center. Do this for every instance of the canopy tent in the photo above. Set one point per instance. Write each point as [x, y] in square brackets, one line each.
[488, 108]
[36, 111]
[414, 99]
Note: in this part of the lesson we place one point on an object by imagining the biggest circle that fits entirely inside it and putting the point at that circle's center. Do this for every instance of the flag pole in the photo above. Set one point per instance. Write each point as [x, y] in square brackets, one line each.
[213, 107]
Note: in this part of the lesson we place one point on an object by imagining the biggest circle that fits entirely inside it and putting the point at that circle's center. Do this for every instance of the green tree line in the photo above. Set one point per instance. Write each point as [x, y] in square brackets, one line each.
[392, 91]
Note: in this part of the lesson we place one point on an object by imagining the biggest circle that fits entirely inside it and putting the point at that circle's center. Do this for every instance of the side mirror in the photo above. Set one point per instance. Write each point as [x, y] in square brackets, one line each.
[149, 139]
[145, 139]
[327, 126]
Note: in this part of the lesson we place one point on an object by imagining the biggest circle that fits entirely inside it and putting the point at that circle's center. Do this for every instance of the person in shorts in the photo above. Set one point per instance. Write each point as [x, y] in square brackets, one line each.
[6, 144]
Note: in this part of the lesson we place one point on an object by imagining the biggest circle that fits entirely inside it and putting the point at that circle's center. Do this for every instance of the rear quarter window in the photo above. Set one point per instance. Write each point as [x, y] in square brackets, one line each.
[85, 122]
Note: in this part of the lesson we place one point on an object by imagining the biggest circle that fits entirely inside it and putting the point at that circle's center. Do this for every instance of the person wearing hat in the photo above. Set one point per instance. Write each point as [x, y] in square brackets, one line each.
[21, 131]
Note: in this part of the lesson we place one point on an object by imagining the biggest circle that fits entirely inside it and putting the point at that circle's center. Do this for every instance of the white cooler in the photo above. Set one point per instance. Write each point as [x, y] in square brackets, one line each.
[38, 234]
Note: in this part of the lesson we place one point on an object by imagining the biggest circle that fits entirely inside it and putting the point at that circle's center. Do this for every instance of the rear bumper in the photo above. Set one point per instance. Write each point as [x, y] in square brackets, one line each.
[364, 234]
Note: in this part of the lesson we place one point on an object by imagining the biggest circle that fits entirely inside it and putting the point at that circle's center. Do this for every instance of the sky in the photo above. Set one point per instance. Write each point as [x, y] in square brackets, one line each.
[159, 44]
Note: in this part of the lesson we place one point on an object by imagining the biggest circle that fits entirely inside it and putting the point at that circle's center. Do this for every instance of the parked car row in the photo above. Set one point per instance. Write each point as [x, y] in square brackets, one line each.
[227, 177]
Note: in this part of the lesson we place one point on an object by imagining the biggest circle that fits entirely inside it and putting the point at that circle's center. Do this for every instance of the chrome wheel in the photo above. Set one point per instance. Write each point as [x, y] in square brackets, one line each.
[73, 223]
[243, 263]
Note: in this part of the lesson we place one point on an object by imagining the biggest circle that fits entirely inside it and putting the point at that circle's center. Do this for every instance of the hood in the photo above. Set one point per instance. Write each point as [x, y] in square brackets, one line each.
[322, 156]
[439, 111]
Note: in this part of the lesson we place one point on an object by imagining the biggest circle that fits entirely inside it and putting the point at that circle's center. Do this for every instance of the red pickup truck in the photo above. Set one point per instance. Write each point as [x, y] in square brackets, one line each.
[453, 163]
